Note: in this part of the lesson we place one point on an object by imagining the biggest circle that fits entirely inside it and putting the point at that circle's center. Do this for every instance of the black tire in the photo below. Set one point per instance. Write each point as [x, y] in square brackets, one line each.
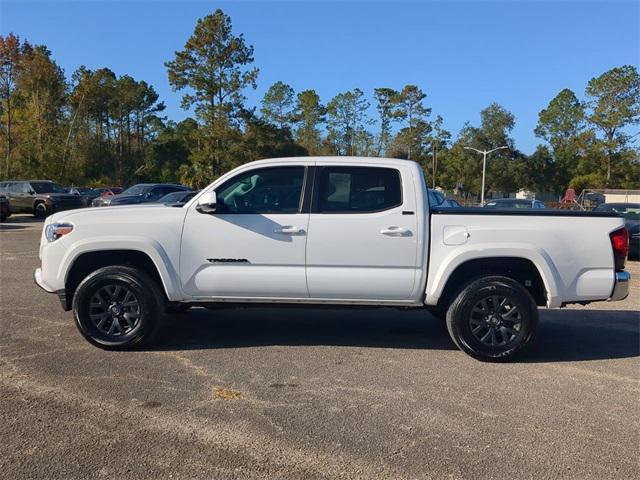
[176, 308]
[123, 291]
[40, 210]
[493, 304]
[2, 218]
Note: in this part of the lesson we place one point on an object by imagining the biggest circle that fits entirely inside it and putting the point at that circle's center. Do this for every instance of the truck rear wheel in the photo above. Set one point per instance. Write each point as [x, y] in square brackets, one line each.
[493, 318]
[118, 307]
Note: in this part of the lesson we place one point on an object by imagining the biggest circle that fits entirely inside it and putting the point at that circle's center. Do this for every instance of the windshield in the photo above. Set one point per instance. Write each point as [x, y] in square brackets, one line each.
[137, 190]
[47, 187]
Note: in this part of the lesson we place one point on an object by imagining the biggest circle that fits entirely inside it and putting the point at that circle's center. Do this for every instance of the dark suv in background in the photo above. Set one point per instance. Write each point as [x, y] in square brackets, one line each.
[39, 197]
[140, 193]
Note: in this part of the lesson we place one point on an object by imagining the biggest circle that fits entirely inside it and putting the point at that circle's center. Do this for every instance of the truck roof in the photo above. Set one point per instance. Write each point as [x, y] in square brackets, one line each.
[340, 159]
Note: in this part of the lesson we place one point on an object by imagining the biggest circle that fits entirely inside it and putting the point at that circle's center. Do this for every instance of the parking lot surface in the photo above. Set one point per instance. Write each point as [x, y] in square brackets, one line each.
[284, 393]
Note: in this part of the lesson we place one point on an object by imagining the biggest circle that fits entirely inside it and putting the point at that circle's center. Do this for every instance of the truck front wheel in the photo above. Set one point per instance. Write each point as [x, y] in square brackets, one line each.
[493, 318]
[118, 307]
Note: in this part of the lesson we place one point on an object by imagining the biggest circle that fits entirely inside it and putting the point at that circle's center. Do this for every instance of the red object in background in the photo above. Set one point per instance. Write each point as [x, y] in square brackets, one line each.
[569, 196]
[111, 191]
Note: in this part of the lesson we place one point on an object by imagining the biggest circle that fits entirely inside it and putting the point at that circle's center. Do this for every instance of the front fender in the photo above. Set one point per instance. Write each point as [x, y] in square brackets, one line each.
[152, 248]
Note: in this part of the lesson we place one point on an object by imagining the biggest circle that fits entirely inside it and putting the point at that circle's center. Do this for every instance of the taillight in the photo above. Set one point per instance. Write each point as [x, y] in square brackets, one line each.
[620, 245]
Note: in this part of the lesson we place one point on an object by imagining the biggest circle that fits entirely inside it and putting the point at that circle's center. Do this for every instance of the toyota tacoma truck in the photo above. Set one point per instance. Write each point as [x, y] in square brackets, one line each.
[340, 231]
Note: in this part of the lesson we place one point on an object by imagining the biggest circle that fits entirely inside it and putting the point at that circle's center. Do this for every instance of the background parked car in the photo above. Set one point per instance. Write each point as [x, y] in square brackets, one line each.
[140, 193]
[39, 197]
[514, 203]
[631, 214]
[437, 199]
[177, 198]
[86, 194]
[5, 211]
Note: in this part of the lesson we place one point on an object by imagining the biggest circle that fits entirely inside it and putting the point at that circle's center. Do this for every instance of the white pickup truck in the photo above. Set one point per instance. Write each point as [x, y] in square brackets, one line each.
[329, 230]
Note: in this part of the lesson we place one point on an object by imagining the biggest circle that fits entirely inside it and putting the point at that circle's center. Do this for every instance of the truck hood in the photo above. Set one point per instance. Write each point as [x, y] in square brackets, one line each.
[118, 214]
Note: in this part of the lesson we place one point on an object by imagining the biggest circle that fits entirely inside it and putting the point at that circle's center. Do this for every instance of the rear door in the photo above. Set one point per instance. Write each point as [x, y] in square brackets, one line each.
[363, 233]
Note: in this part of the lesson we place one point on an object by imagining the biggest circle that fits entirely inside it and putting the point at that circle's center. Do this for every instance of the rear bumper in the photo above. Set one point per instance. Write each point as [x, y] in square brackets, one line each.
[620, 286]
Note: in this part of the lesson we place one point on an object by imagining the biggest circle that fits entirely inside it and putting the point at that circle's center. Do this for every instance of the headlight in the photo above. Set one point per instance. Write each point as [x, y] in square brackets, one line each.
[56, 230]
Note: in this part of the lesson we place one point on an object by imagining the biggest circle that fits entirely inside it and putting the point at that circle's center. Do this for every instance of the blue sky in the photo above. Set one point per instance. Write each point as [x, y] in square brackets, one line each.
[464, 55]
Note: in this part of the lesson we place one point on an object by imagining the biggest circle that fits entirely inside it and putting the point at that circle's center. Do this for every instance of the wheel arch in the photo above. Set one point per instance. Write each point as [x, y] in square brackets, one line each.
[524, 270]
[87, 261]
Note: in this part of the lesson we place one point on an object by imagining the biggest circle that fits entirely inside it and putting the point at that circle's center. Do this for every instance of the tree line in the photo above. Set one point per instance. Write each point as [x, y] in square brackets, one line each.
[99, 128]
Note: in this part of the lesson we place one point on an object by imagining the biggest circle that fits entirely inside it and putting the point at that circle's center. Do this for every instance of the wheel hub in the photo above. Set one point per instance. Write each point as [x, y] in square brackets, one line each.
[114, 310]
[495, 321]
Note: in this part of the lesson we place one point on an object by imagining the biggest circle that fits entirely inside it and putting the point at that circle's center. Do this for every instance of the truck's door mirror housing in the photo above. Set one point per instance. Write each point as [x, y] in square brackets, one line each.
[207, 203]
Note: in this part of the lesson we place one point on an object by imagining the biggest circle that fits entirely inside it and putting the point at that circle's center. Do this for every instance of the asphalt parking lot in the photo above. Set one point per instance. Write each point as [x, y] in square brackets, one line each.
[277, 393]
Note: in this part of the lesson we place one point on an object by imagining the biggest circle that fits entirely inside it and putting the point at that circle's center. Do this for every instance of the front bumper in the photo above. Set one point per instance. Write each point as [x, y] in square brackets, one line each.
[620, 286]
[65, 300]
[37, 278]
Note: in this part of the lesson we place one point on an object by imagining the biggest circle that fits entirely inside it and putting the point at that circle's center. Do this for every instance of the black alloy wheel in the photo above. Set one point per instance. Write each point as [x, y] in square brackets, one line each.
[493, 318]
[118, 307]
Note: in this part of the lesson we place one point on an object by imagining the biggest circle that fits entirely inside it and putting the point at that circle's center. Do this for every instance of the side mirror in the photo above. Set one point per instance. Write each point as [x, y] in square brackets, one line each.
[207, 203]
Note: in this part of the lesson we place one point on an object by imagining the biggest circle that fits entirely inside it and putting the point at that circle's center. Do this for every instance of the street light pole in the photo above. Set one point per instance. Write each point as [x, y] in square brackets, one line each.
[484, 165]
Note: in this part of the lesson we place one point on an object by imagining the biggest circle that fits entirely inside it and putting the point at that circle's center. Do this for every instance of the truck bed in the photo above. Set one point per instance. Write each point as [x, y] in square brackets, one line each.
[571, 250]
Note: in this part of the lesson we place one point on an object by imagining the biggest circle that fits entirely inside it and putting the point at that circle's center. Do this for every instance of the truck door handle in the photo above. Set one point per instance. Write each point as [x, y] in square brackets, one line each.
[396, 232]
[289, 229]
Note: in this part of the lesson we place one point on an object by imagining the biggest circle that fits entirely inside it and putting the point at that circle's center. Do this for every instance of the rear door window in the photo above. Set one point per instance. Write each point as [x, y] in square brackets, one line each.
[358, 190]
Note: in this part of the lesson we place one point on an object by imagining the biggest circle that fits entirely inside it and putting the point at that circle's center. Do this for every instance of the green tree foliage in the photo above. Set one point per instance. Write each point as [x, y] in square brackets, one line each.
[386, 102]
[42, 96]
[214, 68]
[416, 130]
[112, 121]
[504, 167]
[278, 105]
[614, 102]
[347, 119]
[309, 116]
[562, 124]
[13, 54]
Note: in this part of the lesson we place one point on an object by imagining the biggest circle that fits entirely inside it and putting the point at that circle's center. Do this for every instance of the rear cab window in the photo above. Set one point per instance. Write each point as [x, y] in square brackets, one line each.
[358, 189]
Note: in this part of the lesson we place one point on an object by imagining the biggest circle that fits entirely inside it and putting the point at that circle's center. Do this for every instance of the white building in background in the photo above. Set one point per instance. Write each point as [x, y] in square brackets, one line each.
[542, 196]
[621, 196]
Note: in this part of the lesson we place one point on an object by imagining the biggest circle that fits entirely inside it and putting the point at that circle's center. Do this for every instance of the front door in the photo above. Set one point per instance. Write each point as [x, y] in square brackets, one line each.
[254, 245]
[363, 236]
